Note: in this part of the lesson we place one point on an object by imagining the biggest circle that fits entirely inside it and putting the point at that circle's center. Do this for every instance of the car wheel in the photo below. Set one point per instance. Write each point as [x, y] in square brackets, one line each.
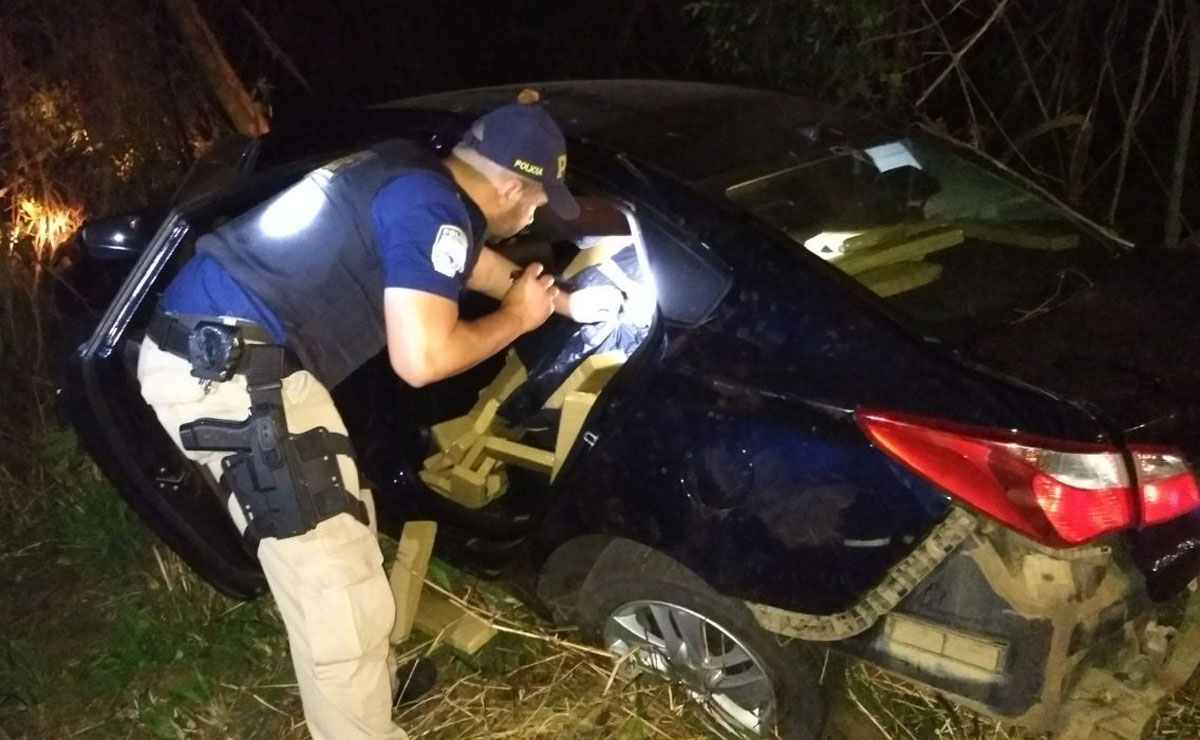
[639, 601]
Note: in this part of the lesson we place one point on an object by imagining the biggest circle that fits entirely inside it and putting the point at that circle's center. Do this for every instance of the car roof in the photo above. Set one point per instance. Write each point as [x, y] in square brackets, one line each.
[692, 130]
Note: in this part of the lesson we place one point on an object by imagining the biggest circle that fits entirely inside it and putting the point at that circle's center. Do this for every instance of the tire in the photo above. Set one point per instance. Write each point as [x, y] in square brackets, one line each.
[769, 688]
[564, 573]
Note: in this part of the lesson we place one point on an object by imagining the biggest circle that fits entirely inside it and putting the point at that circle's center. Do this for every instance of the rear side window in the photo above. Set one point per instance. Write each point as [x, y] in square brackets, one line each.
[690, 280]
[947, 241]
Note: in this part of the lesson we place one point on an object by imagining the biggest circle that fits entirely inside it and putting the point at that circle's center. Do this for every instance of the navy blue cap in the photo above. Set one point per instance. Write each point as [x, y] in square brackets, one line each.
[524, 138]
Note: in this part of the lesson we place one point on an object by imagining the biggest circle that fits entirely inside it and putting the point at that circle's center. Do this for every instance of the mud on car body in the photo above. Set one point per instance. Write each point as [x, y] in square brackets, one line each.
[880, 398]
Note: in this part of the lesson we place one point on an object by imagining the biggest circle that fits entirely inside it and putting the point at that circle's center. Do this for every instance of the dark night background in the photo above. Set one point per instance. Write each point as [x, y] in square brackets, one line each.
[1090, 99]
[362, 52]
[105, 104]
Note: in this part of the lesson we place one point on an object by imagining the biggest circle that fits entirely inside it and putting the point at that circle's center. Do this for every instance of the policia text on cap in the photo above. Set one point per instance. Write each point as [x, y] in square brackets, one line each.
[285, 300]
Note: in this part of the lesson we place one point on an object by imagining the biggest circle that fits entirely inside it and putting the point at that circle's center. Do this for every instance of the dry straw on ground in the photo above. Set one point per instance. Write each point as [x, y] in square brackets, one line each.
[231, 676]
[533, 681]
[538, 682]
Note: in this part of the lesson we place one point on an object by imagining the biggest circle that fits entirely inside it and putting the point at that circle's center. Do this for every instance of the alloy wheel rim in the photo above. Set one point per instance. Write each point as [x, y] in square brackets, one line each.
[715, 668]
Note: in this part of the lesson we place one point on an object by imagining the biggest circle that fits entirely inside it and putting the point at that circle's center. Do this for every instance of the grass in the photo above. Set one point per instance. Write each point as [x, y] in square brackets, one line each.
[535, 682]
[106, 634]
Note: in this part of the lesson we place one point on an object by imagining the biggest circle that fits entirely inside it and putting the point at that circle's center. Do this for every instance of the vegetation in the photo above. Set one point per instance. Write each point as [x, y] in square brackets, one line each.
[106, 634]
[1096, 101]
[103, 106]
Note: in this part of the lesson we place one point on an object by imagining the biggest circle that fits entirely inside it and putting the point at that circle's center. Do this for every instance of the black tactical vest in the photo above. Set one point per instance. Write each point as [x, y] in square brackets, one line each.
[311, 255]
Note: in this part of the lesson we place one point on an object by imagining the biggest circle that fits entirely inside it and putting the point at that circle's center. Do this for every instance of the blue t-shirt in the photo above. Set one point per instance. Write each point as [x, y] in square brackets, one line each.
[203, 287]
[429, 237]
[429, 234]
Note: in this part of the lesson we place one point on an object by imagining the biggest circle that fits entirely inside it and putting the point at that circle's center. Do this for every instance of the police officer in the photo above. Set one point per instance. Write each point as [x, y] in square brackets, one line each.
[283, 301]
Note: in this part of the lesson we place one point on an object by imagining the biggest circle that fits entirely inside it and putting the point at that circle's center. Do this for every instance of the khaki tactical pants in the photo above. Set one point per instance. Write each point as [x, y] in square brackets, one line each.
[328, 583]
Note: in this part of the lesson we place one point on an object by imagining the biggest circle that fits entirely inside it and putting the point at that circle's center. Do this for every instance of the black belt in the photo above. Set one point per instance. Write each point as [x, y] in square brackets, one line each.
[217, 349]
[285, 483]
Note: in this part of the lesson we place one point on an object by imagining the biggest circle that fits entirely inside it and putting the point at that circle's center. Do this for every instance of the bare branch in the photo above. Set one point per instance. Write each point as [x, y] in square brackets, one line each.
[911, 31]
[276, 50]
[956, 57]
[1031, 82]
[1069, 212]
[1065, 120]
[226, 85]
[960, 74]
[1135, 108]
[1029, 77]
[1171, 227]
[1079, 152]
[1004, 134]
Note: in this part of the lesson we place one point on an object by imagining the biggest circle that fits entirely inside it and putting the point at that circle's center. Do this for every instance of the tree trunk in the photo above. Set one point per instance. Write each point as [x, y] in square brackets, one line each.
[1173, 224]
[225, 84]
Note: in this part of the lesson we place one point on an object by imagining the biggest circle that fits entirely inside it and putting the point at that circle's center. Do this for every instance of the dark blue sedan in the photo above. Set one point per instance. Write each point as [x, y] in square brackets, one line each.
[868, 393]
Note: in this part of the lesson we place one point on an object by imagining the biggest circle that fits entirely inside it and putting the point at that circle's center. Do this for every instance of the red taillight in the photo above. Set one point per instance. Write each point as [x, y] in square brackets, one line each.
[1080, 513]
[1059, 493]
[1167, 486]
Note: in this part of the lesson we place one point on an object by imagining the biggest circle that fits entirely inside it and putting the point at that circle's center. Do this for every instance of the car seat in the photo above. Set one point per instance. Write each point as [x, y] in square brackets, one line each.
[532, 412]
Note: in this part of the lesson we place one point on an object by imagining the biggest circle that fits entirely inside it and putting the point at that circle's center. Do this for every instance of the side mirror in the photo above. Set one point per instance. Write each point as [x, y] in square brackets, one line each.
[117, 237]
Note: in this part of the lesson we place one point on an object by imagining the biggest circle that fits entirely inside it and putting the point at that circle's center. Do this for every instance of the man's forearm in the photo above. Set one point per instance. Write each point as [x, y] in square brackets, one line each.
[472, 342]
[494, 275]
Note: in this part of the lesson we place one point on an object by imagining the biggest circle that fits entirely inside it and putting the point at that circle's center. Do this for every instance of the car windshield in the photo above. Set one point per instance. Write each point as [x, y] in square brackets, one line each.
[949, 243]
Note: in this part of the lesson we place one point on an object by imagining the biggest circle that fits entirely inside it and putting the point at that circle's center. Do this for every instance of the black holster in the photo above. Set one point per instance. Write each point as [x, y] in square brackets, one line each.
[286, 484]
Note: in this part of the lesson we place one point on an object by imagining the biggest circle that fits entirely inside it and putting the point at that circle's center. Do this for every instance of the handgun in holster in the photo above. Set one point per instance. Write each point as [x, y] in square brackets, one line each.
[286, 484]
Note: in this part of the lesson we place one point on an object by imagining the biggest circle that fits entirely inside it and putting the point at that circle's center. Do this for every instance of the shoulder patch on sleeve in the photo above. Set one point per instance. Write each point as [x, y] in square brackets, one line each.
[449, 252]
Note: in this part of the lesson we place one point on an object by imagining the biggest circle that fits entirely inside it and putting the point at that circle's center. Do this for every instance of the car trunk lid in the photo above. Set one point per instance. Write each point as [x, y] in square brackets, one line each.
[1126, 343]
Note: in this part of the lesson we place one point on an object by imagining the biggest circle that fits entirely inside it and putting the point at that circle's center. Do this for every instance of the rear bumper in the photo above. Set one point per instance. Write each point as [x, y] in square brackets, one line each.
[1062, 641]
